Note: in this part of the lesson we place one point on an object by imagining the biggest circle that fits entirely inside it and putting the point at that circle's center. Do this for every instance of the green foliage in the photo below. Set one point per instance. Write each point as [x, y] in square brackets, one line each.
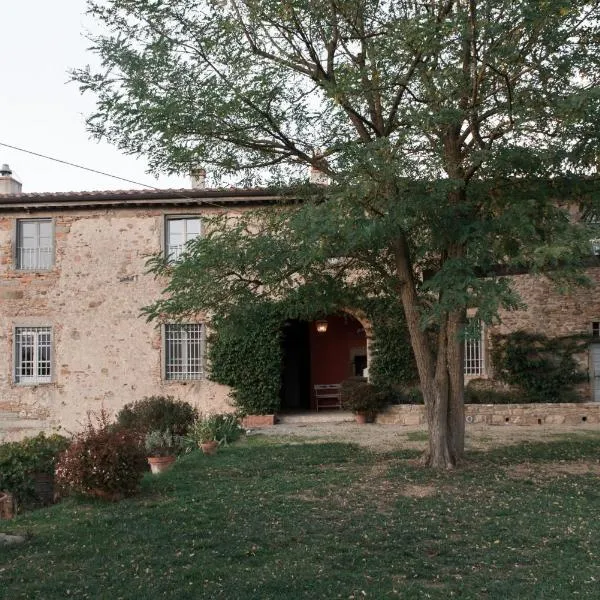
[245, 353]
[20, 460]
[160, 413]
[393, 361]
[224, 428]
[362, 397]
[102, 461]
[163, 443]
[485, 391]
[544, 368]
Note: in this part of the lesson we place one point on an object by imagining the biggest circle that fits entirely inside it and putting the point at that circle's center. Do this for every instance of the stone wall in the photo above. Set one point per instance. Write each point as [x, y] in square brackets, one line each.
[104, 353]
[501, 414]
[552, 313]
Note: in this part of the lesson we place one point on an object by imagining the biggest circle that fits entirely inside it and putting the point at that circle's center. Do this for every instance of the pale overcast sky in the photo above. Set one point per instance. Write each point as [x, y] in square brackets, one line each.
[40, 41]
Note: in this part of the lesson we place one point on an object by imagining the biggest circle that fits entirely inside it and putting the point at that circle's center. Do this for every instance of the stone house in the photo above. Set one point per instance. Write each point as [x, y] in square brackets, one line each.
[73, 281]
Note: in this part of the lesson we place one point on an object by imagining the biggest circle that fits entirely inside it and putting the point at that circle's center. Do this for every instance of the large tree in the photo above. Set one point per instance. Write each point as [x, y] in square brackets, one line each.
[437, 122]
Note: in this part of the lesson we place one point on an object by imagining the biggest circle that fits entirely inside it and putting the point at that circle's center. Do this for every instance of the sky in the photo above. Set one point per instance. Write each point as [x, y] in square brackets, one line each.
[41, 111]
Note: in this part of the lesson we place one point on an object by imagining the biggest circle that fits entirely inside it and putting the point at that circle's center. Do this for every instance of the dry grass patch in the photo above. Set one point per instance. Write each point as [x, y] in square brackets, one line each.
[551, 470]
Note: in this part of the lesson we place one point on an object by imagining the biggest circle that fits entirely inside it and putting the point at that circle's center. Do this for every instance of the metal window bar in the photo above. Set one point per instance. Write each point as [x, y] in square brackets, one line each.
[174, 252]
[183, 352]
[33, 355]
[34, 258]
[474, 355]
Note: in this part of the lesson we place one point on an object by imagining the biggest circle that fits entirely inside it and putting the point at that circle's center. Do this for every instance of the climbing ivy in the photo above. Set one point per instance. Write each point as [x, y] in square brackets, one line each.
[393, 364]
[245, 350]
[244, 353]
[543, 368]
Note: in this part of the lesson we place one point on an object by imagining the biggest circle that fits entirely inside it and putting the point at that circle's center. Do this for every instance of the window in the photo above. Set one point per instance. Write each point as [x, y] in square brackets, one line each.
[179, 232]
[592, 220]
[474, 354]
[595, 329]
[34, 244]
[183, 351]
[33, 347]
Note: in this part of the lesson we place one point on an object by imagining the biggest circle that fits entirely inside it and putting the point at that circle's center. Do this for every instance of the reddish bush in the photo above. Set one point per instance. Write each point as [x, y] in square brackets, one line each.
[102, 461]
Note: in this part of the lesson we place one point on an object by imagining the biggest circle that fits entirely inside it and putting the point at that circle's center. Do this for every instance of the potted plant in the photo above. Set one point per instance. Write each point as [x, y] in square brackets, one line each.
[364, 399]
[162, 448]
[209, 431]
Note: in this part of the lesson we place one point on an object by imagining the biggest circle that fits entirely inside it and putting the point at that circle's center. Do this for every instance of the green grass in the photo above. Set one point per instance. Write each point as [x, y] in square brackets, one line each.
[266, 520]
[417, 436]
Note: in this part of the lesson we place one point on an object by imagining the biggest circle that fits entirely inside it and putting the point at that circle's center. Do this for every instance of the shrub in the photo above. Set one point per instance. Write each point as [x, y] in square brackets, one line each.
[159, 413]
[20, 461]
[163, 443]
[487, 391]
[362, 397]
[102, 461]
[544, 368]
[224, 428]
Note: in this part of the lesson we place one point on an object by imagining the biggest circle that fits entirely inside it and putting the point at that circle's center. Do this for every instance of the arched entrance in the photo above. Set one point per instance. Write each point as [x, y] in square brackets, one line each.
[315, 357]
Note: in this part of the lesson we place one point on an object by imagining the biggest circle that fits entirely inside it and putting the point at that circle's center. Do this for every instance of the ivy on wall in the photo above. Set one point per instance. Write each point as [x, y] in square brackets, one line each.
[543, 368]
[392, 360]
[245, 350]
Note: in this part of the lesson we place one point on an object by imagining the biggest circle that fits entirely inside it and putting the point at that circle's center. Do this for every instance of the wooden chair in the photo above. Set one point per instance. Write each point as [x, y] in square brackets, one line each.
[328, 395]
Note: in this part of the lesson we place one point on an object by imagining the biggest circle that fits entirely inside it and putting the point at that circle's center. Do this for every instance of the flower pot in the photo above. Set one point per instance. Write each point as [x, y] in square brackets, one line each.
[209, 447]
[361, 417]
[160, 464]
[252, 421]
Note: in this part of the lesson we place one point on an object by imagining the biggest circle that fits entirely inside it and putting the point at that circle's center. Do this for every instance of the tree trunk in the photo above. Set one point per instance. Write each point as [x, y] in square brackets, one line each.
[441, 379]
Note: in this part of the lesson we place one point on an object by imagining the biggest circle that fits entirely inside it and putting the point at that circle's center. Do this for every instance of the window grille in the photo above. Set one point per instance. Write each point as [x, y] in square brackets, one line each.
[474, 349]
[33, 355]
[595, 328]
[184, 351]
[179, 232]
[34, 244]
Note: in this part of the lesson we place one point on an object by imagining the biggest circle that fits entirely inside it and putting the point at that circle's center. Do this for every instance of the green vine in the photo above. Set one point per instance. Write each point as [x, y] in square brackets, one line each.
[543, 368]
[245, 353]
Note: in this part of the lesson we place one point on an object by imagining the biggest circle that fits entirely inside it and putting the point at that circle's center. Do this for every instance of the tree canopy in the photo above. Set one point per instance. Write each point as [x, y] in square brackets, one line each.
[452, 132]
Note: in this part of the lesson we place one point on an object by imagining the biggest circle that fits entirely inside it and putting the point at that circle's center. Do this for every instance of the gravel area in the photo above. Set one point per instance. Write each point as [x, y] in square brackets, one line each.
[390, 437]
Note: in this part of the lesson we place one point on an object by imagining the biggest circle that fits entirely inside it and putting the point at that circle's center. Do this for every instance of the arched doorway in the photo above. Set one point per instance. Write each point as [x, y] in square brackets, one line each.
[312, 357]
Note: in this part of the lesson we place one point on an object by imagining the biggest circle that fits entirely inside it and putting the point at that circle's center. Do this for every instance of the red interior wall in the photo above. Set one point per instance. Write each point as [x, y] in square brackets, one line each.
[330, 351]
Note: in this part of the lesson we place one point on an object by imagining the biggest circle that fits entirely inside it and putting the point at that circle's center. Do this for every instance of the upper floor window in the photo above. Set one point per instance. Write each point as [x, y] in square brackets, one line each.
[33, 362]
[34, 244]
[179, 231]
[592, 220]
[474, 348]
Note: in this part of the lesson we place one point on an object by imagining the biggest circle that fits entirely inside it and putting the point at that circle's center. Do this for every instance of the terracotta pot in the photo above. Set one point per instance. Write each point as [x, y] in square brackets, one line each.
[160, 464]
[7, 506]
[360, 417]
[209, 447]
[252, 421]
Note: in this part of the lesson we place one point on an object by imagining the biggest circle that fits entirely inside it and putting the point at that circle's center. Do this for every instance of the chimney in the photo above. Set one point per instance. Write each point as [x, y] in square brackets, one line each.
[8, 184]
[198, 178]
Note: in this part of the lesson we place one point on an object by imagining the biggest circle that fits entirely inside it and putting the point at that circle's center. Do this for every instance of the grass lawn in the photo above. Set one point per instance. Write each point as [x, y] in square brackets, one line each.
[269, 520]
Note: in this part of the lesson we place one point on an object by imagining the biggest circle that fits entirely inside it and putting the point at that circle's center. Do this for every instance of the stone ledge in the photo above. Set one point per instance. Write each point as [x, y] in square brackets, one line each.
[501, 414]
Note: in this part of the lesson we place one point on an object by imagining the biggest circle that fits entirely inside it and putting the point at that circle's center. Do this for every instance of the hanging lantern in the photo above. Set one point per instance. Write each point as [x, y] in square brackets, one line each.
[321, 325]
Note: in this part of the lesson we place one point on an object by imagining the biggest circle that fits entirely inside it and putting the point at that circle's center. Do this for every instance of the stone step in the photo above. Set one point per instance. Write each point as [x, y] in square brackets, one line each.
[323, 416]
